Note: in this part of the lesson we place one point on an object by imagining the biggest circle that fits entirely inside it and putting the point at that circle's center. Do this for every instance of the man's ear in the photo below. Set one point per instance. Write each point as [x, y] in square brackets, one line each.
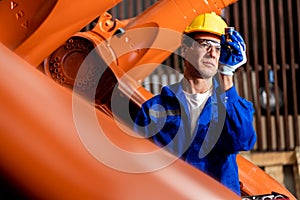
[184, 49]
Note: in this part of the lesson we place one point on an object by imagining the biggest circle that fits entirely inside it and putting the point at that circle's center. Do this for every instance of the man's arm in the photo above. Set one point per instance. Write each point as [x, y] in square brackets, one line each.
[226, 82]
[238, 131]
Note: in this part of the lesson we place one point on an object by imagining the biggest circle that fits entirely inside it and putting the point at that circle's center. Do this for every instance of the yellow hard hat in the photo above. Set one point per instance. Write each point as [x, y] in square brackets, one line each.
[208, 22]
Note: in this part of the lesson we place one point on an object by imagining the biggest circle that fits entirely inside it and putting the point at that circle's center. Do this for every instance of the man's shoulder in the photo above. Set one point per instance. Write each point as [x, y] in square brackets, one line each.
[166, 95]
[171, 90]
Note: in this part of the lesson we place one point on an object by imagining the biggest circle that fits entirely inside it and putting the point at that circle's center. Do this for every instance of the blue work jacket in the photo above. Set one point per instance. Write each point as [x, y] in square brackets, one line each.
[223, 129]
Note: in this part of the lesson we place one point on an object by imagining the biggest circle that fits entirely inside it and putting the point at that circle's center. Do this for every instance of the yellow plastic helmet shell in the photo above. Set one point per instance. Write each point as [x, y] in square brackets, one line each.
[208, 22]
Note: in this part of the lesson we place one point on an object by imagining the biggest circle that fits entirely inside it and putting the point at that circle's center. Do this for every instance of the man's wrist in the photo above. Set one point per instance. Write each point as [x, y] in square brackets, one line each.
[227, 81]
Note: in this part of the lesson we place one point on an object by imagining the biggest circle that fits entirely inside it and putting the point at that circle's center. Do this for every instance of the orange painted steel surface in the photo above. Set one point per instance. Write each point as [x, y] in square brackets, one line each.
[34, 39]
[255, 181]
[22, 19]
[37, 124]
[41, 149]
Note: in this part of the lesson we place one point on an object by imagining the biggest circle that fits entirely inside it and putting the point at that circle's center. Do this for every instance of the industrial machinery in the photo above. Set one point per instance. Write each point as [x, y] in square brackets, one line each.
[64, 131]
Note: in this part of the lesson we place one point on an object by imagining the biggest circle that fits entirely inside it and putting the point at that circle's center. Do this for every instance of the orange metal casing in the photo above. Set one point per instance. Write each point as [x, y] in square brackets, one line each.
[35, 29]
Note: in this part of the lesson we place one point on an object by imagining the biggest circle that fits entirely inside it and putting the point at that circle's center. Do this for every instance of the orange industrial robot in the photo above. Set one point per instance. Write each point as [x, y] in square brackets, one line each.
[54, 143]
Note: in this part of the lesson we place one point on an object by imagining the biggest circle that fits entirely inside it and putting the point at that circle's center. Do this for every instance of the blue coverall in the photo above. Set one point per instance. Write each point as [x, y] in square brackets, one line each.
[224, 128]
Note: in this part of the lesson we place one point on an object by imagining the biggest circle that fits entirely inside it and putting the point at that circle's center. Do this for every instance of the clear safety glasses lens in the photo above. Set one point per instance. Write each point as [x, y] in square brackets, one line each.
[208, 44]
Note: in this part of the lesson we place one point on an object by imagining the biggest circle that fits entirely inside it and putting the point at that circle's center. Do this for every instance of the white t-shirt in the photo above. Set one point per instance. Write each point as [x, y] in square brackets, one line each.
[196, 103]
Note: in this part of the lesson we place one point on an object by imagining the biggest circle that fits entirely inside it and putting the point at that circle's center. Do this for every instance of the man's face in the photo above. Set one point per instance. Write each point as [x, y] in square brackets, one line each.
[203, 56]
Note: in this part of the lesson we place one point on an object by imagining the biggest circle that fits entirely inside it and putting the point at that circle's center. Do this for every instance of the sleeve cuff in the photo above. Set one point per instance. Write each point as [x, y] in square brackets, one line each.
[230, 95]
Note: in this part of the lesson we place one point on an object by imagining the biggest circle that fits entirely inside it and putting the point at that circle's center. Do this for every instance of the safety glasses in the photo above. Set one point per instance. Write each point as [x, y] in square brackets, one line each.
[208, 45]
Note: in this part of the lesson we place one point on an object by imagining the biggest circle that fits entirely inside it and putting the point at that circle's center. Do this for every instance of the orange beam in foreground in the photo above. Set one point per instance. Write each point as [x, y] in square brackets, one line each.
[255, 181]
[41, 149]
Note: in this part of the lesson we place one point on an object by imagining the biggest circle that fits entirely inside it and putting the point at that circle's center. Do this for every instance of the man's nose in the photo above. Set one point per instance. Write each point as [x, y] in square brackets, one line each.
[213, 52]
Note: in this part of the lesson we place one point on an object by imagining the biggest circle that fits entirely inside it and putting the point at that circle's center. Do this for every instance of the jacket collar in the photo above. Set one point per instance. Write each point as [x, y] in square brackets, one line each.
[177, 90]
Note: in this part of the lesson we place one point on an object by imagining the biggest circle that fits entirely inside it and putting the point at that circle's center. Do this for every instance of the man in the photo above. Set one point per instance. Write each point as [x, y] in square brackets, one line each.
[202, 119]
